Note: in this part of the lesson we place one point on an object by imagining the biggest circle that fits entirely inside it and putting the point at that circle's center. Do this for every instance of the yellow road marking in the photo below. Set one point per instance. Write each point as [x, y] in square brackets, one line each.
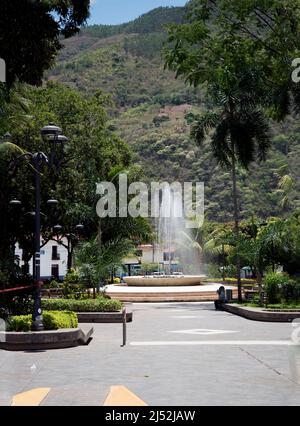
[32, 398]
[120, 396]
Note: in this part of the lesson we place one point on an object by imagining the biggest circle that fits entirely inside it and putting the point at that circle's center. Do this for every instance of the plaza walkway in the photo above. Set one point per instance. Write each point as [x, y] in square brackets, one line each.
[177, 354]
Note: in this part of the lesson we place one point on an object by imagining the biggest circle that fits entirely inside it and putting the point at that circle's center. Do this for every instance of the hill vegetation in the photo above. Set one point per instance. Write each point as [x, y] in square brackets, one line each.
[150, 110]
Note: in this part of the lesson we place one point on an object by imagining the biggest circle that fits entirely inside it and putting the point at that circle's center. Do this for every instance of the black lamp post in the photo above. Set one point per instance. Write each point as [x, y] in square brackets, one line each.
[53, 135]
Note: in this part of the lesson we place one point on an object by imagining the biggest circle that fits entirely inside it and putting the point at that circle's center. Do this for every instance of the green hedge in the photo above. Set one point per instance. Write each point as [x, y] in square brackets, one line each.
[53, 320]
[90, 305]
[20, 323]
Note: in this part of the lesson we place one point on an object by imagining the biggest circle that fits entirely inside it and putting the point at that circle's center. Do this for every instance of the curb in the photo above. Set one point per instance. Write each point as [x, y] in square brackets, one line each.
[256, 314]
[44, 340]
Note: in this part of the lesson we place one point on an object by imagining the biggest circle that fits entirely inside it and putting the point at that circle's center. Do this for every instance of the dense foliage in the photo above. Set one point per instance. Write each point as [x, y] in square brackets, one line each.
[152, 112]
[153, 21]
[101, 304]
[53, 320]
[30, 32]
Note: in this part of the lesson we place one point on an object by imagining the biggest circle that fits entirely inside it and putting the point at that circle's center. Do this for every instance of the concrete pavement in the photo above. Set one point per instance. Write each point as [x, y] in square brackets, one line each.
[210, 362]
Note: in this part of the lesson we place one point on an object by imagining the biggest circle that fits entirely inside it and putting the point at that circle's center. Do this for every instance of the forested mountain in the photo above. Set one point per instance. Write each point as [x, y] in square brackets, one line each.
[150, 110]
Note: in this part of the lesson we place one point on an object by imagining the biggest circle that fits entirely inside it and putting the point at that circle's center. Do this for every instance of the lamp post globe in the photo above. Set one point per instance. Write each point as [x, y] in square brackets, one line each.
[52, 202]
[57, 229]
[50, 132]
[15, 203]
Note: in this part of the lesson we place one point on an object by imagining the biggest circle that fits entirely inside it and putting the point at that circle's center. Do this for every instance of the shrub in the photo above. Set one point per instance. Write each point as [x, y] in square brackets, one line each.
[100, 304]
[73, 291]
[52, 321]
[72, 288]
[291, 291]
[297, 291]
[52, 284]
[20, 323]
[273, 285]
[72, 277]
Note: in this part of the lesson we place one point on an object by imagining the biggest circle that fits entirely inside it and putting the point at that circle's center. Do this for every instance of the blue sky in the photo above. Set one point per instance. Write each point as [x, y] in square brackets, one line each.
[120, 11]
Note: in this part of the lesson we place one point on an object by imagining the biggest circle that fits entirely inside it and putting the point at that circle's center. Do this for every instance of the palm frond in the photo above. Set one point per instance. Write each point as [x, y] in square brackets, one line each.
[286, 183]
[221, 144]
[203, 126]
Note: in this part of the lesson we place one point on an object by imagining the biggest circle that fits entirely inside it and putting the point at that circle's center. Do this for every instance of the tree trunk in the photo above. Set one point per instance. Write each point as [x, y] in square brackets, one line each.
[236, 222]
[259, 283]
[223, 262]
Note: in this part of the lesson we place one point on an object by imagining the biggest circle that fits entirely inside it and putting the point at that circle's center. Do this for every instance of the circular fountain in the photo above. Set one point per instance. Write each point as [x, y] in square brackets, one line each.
[175, 240]
[164, 280]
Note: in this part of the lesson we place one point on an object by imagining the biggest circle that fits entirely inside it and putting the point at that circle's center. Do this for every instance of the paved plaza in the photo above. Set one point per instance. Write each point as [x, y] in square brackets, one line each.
[177, 354]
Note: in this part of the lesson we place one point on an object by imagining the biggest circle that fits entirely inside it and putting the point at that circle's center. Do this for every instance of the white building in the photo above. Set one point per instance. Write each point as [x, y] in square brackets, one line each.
[54, 260]
[147, 254]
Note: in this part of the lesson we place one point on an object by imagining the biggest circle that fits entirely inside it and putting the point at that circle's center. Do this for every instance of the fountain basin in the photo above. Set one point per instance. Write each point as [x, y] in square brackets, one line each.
[164, 281]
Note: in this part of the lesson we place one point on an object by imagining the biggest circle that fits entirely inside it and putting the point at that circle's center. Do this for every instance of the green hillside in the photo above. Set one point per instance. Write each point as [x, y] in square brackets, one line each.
[149, 109]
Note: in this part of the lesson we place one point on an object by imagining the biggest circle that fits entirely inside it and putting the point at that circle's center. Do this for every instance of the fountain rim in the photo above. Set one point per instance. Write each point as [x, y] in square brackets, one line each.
[164, 280]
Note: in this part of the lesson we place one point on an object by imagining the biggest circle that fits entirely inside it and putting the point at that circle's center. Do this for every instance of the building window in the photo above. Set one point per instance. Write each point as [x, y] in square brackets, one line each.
[55, 254]
[55, 272]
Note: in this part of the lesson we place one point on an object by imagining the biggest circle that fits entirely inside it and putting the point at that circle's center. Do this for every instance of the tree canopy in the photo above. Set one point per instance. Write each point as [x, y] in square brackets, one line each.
[30, 32]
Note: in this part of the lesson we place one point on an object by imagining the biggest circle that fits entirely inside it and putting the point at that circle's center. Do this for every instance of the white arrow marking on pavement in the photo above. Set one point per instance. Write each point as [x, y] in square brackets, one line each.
[204, 331]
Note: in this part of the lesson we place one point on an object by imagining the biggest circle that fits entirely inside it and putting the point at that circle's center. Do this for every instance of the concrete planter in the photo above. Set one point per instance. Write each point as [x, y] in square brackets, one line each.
[260, 314]
[44, 340]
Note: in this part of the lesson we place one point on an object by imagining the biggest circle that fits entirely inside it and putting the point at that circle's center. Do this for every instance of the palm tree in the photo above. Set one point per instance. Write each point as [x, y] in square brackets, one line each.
[275, 241]
[217, 245]
[286, 187]
[238, 131]
[96, 260]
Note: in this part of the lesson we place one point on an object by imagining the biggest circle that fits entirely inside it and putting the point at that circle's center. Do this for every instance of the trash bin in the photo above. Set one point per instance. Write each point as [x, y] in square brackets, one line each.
[229, 295]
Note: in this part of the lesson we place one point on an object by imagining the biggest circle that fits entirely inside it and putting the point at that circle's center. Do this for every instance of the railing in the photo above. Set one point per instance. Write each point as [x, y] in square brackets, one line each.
[10, 290]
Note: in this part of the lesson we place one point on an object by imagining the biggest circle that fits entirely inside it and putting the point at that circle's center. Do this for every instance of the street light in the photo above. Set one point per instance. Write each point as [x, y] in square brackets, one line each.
[52, 203]
[57, 229]
[15, 203]
[53, 135]
[50, 132]
[6, 138]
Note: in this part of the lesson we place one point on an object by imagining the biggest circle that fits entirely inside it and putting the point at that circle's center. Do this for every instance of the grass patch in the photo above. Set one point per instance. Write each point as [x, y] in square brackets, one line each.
[276, 306]
[100, 304]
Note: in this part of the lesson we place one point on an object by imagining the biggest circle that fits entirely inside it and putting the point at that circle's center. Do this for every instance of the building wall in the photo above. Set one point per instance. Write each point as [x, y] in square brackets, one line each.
[47, 262]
